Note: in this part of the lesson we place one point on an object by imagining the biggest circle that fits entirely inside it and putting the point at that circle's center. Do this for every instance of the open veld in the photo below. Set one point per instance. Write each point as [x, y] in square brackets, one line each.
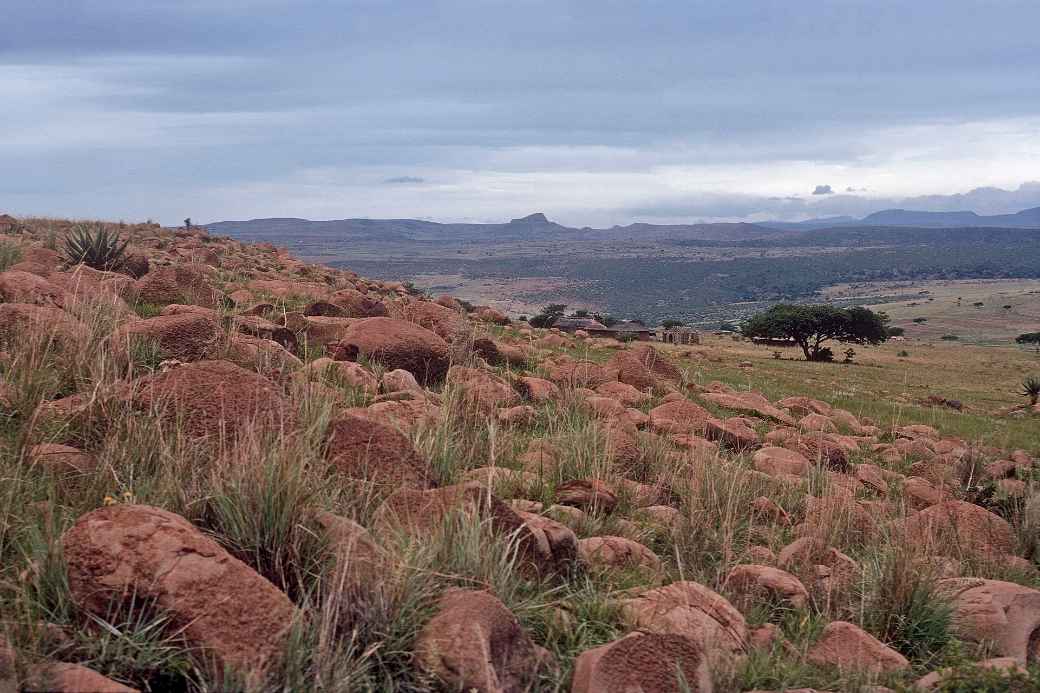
[227, 469]
[701, 273]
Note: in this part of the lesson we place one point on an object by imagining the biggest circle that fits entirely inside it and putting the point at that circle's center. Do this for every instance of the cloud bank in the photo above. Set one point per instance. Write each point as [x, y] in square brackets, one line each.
[593, 112]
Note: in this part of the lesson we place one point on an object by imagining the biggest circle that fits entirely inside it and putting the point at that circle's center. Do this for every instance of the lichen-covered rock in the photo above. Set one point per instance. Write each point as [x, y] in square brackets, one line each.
[849, 647]
[960, 529]
[400, 344]
[474, 643]
[183, 336]
[361, 447]
[751, 582]
[1003, 614]
[643, 663]
[692, 610]
[211, 398]
[215, 601]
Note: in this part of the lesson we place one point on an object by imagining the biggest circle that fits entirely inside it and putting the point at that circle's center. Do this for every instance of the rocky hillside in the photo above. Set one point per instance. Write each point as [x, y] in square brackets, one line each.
[226, 469]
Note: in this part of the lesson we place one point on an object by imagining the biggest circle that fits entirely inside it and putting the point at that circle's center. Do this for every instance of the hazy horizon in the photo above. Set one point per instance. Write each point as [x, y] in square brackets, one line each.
[594, 113]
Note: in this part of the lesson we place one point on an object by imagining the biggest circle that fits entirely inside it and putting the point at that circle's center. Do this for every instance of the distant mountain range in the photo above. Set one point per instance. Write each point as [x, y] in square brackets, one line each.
[1026, 219]
[538, 227]
[535, 227]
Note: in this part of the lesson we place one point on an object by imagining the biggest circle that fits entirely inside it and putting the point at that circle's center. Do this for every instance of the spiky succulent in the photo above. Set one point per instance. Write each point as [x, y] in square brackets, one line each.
[95, 246]
[1031, 388]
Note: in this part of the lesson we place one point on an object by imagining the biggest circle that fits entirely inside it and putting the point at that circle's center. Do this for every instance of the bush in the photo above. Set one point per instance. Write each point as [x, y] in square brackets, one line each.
[949, 338]
[95, 246]
[10, 254]
[904, 609]
[976, 679]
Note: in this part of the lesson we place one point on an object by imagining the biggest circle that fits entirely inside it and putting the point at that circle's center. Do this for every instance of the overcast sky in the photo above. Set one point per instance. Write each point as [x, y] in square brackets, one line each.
[595, 112]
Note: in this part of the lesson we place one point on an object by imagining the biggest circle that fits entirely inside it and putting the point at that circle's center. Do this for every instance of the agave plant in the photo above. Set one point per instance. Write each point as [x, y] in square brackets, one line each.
[95, 246]
[1031, 389]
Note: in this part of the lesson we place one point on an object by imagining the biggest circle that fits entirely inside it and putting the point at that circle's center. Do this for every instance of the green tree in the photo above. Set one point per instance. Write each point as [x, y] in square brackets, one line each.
[810, 327]
[1030, 338]
[669, 323]
[549, 315]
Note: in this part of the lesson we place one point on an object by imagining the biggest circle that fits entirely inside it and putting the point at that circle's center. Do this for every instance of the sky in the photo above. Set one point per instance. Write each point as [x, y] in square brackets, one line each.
[594, 112]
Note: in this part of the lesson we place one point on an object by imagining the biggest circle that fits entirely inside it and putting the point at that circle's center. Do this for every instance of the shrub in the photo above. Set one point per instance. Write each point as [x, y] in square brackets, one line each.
[975, 679]
[949, 338]
[920, 320]
[904, 609]
[9, 255]
[903, 353]
[95, 246]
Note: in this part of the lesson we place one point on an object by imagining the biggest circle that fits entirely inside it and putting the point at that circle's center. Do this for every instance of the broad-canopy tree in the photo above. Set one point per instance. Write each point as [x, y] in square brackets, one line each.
[810, 327]
[549, 315]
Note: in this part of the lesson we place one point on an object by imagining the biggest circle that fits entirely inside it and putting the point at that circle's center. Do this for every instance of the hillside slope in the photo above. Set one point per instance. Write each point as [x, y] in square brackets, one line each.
[227, 469]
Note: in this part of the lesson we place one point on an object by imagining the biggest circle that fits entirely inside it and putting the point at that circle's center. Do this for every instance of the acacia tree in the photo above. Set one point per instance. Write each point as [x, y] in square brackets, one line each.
[810, 327]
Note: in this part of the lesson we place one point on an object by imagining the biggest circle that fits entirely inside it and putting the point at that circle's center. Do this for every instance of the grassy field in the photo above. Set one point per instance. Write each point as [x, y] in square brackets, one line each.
[980, 311]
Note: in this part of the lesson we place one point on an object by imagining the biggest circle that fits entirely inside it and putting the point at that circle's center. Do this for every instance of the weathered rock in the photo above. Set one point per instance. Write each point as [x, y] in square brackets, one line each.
[679, 416]
[1004, 614]
[732, 433]
[849, 647]
[357, 305]
[537, 389]
[179, 283]
[23, 287]
[643, 663]
[424, 512]
[623, 393]
[363, 448]
[482, 392]
[751, 582]
[474, 643]
[749, 403]
[211, 398]
[362, 565]
[62, 459]
[446, 323]
[959, 529]
[216, 602]
[618, 552]
[22, 322]
[587, 494]
[775, 461]
[347, 373]
[184, 336]
[400, 344]
[61, 677]
[691, 610]
[645, 368]
[566, 372]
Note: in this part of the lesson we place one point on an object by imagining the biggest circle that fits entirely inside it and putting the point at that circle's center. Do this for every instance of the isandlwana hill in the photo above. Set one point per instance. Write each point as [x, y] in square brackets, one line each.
[225, 468]
[699, 273]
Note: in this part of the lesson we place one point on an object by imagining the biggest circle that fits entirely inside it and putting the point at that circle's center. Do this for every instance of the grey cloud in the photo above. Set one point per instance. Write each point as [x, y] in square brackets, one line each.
[222, 92]
[823, 190]
[728, 207]
[404, 180]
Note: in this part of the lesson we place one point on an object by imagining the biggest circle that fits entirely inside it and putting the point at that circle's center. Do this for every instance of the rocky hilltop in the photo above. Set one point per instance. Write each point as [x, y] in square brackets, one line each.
[227, 469]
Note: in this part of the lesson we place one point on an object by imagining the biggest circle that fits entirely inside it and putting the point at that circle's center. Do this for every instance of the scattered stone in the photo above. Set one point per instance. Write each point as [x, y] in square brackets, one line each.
[216, 602]
[363, 448]
[849, 647]
[643, 663]
[474, 643]
[750, 582]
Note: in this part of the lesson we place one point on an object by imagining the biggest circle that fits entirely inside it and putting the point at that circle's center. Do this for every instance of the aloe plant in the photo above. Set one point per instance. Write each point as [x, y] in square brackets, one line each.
[1031, 389]
[95, 246]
